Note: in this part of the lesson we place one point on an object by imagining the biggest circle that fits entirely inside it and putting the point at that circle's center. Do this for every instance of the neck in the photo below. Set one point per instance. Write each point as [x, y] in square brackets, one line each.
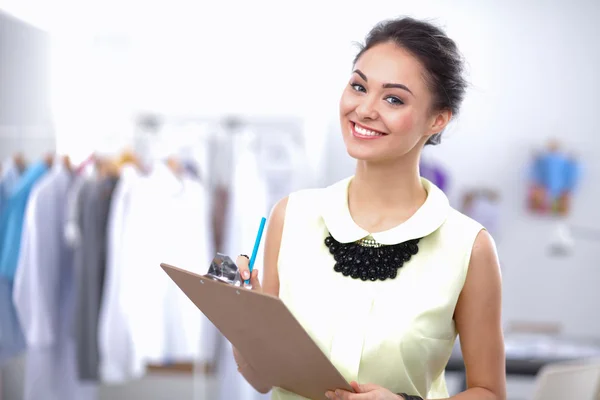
[387, 184]
[383, 195]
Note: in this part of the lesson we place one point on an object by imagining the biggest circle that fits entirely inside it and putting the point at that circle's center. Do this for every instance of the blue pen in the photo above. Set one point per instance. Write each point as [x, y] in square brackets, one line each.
[256, 246]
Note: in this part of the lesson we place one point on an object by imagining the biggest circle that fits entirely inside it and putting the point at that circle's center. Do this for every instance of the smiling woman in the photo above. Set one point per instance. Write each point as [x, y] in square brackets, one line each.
[378, 268]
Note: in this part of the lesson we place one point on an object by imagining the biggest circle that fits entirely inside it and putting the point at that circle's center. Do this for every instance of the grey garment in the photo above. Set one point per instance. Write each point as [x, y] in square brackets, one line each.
[221, 162]
[93, 205]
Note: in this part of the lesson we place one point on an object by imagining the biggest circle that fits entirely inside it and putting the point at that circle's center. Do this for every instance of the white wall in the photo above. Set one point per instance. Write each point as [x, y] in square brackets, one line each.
[25, 124]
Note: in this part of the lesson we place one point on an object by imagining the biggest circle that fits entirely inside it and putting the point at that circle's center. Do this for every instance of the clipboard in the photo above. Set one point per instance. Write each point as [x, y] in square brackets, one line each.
[265, 332]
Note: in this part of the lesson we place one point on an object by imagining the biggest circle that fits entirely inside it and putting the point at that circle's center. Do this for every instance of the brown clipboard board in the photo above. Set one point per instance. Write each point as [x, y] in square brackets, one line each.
[265, 332]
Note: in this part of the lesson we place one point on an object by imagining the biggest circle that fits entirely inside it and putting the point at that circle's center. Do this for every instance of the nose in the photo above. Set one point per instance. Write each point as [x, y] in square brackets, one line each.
[366, 109]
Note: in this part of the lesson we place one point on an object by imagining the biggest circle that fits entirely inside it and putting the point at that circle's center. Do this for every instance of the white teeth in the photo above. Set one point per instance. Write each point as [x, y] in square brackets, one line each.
[366, 132]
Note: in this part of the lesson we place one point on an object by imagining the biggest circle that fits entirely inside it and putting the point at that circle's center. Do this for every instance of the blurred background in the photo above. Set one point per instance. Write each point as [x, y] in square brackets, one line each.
[185, 112]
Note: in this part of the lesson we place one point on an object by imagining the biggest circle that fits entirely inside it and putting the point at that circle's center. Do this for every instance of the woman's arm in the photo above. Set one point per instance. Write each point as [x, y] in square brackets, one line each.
[479, 325]
[269, 285]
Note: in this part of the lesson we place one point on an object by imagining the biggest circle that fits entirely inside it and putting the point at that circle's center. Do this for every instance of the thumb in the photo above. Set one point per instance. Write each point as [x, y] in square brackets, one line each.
[255, 281]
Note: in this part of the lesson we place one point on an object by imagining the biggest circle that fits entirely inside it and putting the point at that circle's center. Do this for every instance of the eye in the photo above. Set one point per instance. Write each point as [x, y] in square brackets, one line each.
[358, 87]
[393, 100]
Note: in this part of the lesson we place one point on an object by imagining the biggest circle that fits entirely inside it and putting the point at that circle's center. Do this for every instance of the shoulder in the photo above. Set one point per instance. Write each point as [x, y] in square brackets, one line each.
[279, 211]
[484, 255]
[464, 236]
[479, 246]
[457, 221]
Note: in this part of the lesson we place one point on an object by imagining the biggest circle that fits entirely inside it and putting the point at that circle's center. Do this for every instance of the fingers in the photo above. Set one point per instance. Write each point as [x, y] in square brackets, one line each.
[243, 265]
[363, 392]
[344, 395]
[365, 387]
[356, 387]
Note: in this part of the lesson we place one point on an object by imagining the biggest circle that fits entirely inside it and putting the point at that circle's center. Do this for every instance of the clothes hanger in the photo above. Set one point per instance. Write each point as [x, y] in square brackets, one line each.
[129, 157]
[49, 160]
[20, 162]
[106, 168]
[67, 163]
[91, 159]
[175, 166]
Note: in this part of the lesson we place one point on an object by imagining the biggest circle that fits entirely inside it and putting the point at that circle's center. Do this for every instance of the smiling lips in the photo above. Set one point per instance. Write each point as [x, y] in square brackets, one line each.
[362, 132]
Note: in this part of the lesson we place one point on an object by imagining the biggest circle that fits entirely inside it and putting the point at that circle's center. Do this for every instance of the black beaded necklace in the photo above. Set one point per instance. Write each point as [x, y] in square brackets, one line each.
[368, 260]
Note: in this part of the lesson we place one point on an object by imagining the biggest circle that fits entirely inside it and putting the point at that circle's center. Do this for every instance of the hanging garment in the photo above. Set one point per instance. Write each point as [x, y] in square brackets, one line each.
[90, 265]
[44, 294]
[220, 162]
[12, 342]
[72, 231]
[166, 221]
[11, 338]
[284, 167]
[114, 337]
[9, 177]
[248, 204]
[11, 220]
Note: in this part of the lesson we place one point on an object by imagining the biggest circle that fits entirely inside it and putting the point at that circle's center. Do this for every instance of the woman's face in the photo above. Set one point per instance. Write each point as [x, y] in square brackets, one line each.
[385, 110]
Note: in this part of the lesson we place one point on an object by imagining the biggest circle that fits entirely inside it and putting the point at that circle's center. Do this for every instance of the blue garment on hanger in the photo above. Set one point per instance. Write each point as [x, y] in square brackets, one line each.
[9, 177]
[11, 220]
[572, 174]
[552, 171]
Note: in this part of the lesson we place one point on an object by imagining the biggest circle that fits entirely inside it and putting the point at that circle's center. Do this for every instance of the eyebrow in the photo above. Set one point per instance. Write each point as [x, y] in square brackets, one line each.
[385, 85]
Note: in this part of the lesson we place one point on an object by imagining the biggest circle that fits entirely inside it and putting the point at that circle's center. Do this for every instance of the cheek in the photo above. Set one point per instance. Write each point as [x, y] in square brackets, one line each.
[347, 103]
[401, 123]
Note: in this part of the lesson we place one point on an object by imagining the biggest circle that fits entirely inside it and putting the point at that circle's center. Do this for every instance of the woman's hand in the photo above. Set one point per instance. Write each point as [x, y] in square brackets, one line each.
[243, 264]
[363, 392]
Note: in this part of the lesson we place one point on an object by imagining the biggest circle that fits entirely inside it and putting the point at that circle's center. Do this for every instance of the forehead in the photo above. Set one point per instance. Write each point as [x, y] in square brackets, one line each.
[389, 63]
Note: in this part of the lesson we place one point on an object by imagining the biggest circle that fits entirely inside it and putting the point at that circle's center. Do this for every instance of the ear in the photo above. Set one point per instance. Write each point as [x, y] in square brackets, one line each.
[439, 121]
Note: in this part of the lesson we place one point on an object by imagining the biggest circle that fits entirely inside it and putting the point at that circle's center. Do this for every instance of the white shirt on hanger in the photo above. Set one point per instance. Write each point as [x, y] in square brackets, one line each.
[165, 220]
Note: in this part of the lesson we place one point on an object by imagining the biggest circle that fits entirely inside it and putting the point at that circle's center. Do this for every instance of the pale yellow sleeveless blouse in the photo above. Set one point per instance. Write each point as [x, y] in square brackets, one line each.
[398, 333]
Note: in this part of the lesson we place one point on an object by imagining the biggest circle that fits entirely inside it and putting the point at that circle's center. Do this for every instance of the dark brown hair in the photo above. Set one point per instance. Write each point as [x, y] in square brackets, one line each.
[438, 54]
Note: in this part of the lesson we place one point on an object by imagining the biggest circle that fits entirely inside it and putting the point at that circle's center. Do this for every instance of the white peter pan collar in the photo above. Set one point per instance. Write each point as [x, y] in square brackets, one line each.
[428, 218]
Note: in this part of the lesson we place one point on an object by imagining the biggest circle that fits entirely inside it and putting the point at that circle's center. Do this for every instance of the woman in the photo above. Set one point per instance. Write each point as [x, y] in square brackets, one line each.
[378, 268]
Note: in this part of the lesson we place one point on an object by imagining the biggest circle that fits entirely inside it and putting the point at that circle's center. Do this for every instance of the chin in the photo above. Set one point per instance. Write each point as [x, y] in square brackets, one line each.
[362, 154]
